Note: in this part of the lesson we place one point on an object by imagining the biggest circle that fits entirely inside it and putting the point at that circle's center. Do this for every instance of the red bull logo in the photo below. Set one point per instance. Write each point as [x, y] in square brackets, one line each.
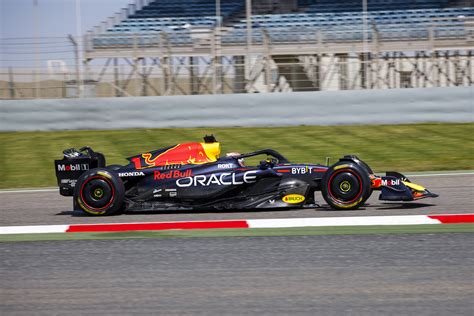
[181, 154]
[376, 183]
[175, 174]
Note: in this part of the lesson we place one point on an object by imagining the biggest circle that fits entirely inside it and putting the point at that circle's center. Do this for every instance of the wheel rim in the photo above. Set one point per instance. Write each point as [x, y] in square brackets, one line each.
[97, 193]
[345, 186]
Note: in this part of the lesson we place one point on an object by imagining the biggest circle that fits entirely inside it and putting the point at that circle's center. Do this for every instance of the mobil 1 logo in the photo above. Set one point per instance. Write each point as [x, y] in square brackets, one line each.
[73, 167]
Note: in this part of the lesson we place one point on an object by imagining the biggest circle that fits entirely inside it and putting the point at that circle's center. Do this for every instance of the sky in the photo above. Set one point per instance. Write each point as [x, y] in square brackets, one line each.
[21, 22]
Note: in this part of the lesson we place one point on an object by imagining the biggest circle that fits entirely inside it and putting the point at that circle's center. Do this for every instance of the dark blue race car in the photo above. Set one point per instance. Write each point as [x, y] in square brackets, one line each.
[193, 176]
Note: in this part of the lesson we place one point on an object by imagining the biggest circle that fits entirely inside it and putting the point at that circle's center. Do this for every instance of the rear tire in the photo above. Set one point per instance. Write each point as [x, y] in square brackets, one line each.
[346, 186]
[99, 192]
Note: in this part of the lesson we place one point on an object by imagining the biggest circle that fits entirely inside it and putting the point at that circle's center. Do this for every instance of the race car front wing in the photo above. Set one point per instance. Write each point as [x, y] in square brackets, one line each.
[396, 187]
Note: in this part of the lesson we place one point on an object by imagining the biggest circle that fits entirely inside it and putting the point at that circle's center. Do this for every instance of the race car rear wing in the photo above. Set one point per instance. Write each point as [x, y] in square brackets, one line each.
[73, 165]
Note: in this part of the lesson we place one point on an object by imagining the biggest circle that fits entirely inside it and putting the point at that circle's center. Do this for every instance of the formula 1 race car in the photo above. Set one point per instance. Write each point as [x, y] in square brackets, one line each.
[192, 176]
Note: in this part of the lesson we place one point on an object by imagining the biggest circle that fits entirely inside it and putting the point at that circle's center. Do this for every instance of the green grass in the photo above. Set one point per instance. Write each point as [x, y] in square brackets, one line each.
[260, 232]
[27, 157]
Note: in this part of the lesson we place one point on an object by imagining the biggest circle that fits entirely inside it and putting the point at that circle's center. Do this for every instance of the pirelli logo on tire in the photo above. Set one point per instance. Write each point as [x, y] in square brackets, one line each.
[293, 198]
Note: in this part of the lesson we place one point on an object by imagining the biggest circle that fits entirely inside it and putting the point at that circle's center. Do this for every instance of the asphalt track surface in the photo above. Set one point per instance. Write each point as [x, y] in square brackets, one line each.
[48, 208]
[392, 274]
[411, 274]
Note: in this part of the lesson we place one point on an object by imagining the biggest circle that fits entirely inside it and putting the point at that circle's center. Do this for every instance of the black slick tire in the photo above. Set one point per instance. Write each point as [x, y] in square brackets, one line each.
[346, 186]
[99, 192]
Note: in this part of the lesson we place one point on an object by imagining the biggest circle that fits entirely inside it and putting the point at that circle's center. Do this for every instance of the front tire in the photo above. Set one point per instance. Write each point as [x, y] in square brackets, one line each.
[99, 192]
[346, 186]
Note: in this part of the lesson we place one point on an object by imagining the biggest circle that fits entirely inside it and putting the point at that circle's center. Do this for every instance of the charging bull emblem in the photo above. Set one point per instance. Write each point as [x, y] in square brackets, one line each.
[181, 154]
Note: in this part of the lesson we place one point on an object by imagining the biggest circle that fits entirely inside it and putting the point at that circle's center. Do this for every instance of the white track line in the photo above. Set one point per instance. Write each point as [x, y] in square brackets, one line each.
[247, 224]
[33, 229]
[29, 190]
[341, 221]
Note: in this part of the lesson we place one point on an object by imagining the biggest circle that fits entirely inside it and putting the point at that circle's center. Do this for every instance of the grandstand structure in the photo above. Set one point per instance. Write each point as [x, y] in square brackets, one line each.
[181, 47]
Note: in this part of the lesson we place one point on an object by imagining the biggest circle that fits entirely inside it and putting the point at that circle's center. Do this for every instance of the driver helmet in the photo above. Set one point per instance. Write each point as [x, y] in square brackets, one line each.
[241, 161]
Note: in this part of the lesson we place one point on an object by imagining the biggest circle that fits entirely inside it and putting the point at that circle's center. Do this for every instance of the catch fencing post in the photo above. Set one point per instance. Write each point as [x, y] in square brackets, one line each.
[11, 84]
[76, 57]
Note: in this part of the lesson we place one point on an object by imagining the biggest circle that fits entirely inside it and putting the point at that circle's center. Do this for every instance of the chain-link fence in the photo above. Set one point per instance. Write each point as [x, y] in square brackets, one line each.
[283, 73]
